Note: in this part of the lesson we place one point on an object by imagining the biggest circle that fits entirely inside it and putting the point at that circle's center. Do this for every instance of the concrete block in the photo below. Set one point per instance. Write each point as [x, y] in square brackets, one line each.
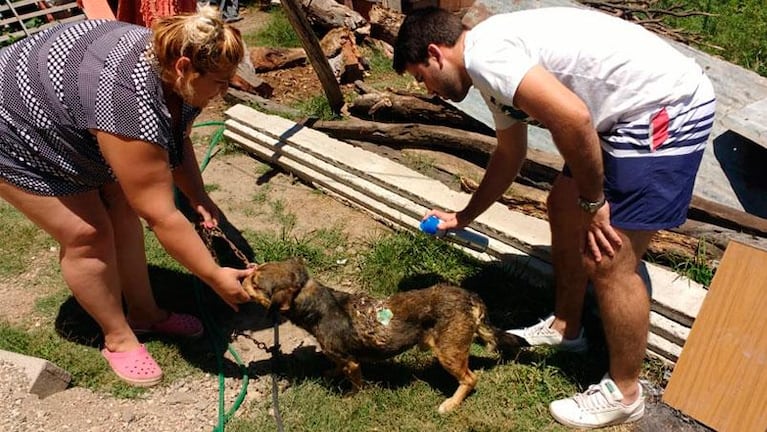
[45, 378]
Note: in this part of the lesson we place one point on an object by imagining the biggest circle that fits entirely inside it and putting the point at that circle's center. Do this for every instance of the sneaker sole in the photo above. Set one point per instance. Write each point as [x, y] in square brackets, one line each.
[630, 419]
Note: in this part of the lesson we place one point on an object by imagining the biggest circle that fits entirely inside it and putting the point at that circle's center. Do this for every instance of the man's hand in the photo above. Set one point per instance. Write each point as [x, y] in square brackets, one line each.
[601, 238]
[448, 220]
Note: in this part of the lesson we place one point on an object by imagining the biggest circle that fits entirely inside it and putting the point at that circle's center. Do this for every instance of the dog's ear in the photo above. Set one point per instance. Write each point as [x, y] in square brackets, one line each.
[282, 297]
[281, 300]
[247, 285]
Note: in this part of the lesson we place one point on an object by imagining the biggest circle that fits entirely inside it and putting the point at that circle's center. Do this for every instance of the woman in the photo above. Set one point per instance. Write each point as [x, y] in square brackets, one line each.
[94, 134]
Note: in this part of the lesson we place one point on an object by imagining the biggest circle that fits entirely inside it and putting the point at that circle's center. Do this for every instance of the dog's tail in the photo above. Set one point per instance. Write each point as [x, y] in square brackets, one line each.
[494, 338]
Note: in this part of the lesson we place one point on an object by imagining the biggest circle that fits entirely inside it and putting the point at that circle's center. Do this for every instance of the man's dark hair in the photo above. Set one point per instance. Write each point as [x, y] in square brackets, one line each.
[422, 27]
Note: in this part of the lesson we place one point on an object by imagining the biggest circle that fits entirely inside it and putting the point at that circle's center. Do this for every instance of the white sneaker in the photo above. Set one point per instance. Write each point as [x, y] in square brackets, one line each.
[543, 334]
[597, 407]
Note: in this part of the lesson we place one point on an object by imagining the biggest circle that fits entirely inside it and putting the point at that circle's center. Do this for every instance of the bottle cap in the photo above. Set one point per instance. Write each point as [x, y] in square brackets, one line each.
[429, 225]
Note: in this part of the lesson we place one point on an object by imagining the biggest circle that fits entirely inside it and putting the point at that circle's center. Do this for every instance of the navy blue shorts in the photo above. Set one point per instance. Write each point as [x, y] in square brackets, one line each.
[651, 161]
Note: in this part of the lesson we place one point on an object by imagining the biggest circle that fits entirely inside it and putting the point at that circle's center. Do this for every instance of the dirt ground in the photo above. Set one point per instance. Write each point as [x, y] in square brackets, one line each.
[191, 404]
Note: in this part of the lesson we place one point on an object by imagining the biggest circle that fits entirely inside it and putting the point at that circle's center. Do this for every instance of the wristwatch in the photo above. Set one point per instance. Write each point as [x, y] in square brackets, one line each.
[591, 206]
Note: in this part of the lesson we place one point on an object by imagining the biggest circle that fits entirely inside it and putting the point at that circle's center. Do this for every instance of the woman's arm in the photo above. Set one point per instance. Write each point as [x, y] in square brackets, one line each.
[142, 169]
[188, 179]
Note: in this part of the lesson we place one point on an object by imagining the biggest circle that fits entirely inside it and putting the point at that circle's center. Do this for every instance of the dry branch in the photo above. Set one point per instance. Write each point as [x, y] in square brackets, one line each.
[649, 14]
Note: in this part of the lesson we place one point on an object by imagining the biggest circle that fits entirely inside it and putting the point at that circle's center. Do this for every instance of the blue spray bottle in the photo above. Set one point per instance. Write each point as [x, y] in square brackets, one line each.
[461, 236]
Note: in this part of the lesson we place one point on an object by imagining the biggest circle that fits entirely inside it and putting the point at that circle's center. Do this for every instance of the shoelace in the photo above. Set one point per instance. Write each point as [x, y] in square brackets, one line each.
[541, 329]
[593, 399]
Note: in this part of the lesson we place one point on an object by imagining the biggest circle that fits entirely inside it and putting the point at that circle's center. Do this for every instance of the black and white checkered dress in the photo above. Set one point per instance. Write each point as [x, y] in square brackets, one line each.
[59, 83]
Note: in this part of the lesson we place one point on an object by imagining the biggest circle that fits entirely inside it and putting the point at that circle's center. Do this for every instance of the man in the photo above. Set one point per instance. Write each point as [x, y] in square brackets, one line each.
[631, 117]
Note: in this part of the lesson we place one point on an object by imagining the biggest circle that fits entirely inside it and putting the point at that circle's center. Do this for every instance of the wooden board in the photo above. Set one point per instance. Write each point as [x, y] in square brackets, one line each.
[749, 122]
[721, 376]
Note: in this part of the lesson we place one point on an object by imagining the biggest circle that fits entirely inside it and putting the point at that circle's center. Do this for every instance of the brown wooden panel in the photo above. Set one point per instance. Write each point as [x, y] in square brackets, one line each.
[721, 376]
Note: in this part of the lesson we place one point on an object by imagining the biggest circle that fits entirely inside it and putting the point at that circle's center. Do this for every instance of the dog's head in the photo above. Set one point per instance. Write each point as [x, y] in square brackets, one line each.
[275, 284]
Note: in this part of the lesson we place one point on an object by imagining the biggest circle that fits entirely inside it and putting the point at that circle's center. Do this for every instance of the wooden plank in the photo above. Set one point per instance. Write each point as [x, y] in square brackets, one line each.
[721, 375]
[661, 348]
[749, 122]
[673, 295]
[40, 13]
[405, 181]
[20, 33]
[672, 331]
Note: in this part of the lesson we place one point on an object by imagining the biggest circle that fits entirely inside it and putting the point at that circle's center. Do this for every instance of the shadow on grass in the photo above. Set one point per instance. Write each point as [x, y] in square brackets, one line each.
[513, 303]
[178, 292]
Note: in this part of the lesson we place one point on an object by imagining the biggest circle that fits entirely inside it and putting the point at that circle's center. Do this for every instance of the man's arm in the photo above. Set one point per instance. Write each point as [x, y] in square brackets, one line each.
[543, 97]
[501, 171]
[566, 116]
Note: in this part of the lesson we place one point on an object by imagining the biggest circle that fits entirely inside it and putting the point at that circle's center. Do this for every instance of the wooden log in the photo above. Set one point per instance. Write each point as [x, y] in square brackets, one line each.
[343, 55]
[266, 58]
[385, 23]
[329, 14]
[246, 80]
[238, 96]
[728, 217]
[317, 58]
[539, 167]
[391, 107]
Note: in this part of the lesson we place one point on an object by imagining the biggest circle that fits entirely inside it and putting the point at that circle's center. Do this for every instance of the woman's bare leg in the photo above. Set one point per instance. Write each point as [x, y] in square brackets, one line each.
[131, 258]
[82, 227]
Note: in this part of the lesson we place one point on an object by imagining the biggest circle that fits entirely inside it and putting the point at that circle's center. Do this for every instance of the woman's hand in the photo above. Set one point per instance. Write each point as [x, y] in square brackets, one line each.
[227, 283]
[208, 211]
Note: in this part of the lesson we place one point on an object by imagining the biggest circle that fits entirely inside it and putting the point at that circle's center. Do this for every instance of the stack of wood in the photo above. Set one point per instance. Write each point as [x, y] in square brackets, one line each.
[340, 30]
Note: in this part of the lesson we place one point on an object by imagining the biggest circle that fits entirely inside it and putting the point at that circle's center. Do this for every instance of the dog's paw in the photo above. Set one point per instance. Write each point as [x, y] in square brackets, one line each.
[447, 406]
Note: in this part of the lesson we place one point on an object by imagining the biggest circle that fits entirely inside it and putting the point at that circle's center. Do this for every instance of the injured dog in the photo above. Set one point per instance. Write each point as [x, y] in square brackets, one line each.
[354, 327]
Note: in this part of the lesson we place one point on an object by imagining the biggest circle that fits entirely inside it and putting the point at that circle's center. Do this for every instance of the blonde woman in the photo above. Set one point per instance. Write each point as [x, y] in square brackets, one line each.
[94, 134]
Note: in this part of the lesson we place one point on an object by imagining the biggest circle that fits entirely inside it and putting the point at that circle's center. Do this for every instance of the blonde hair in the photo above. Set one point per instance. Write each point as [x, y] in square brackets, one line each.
[203, 37]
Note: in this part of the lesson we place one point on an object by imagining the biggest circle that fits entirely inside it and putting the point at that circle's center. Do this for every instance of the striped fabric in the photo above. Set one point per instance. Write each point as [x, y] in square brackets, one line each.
[651, 162]
[61, 82]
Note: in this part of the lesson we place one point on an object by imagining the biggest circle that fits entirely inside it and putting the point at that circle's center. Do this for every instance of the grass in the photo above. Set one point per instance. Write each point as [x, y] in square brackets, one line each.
[697, 268]
[277, 33]
[738, 28]
[24, 244]
[402, 393]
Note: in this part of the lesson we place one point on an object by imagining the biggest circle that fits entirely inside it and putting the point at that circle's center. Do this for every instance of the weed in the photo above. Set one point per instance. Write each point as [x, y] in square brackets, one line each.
[277, 32]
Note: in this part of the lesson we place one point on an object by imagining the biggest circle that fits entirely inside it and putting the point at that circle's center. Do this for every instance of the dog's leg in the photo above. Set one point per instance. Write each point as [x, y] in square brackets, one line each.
[350, 369]
[354, 373]
[456, 362]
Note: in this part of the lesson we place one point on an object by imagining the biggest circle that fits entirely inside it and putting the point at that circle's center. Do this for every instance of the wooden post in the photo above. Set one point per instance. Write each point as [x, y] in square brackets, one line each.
[317, 58]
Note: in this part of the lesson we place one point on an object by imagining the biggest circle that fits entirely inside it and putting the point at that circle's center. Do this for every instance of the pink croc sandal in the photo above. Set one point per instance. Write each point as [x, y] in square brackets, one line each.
[176, 324]
[135, 367]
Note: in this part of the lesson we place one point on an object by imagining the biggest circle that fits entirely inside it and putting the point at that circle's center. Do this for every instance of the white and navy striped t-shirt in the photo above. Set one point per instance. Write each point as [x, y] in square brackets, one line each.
[59, 83]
